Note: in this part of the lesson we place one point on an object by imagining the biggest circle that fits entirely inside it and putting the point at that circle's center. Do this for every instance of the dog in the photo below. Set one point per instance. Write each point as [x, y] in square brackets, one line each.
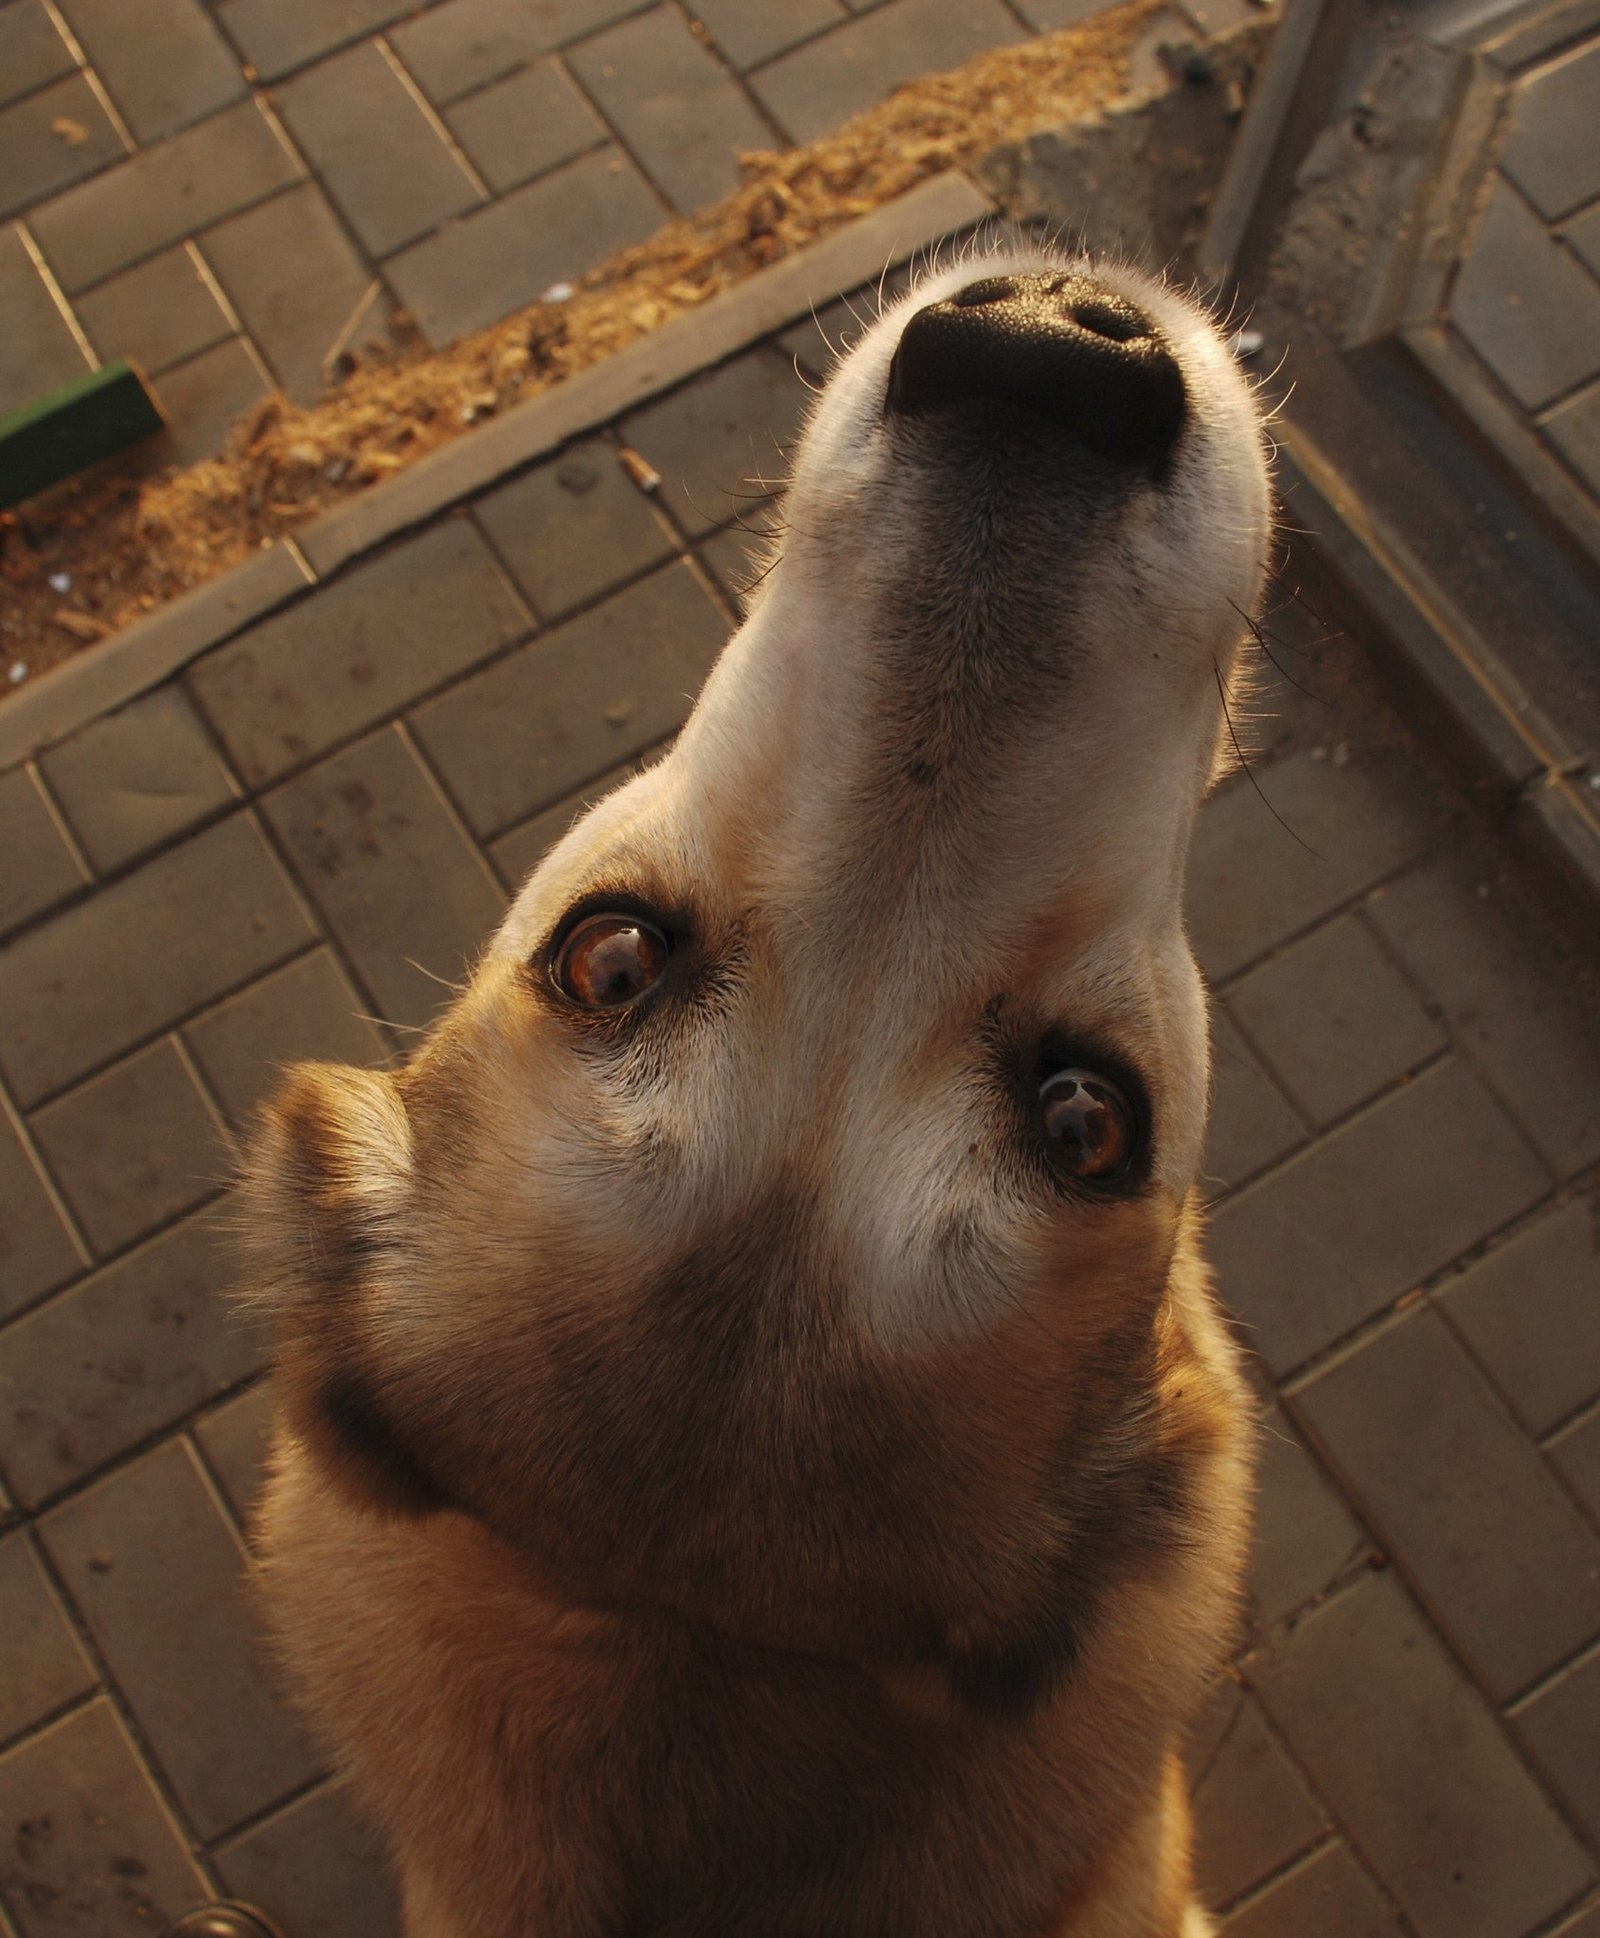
[758, 1455]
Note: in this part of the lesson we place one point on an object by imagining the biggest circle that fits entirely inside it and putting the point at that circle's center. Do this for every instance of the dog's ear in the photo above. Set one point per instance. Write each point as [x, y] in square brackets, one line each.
[326, 1188]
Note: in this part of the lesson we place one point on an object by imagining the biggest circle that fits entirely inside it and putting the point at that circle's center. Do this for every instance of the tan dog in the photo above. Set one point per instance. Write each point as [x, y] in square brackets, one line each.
[758, 1457]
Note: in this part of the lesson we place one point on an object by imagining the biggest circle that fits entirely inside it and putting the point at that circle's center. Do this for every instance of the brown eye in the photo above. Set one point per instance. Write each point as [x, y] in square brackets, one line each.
[1090, 1124]
[609, 961]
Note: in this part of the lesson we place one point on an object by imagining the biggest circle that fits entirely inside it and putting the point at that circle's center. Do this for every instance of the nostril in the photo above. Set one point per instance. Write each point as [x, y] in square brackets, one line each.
[991, 289]
[1103, 319]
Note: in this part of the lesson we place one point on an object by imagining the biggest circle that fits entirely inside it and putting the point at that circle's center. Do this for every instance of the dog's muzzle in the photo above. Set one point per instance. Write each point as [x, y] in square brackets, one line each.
[1061, 345]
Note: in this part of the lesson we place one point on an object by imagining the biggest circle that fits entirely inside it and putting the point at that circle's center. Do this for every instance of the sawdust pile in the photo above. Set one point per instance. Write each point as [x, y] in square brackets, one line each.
[122, 543]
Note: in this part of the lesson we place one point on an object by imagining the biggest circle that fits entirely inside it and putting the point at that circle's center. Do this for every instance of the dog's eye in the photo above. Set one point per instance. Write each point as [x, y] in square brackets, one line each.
[1091, 1125]
[609, 961]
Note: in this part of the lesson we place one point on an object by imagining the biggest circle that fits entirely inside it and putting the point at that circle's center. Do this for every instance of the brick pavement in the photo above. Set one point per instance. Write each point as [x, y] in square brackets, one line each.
[285, 848]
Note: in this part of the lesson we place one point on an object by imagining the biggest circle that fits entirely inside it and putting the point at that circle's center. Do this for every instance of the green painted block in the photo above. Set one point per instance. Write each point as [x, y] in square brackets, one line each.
[93, 417]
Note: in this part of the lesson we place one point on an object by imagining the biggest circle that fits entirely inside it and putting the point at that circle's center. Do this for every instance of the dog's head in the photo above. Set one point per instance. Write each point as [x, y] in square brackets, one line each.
[781, 1228]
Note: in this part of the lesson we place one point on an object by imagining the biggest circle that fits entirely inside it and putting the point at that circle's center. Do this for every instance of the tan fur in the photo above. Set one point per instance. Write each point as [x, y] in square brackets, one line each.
[723, 1485]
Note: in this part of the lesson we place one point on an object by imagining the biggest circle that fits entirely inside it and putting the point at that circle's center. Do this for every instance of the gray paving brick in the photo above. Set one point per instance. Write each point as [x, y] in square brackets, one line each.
[1393, 1737]
[204, 397]
[1560, 1729]
[236, 1440]
[517, 128]
[409, 898]
[31, 51]
[1336, 1021]
[1582, 235]
[276, 36]
[576, 703]
[1488, 960]
[38, 352]
[158, 1574]
[1528, 309]
[1460, 1498]
[133, 779]
[37, 1252]
[304, 1013]
[465, 43]
[40, 868]
[1325, 1898]
[1387, 1200]
[1530, 1310]
[162, 195]
[1574, 430]
[723, 440]
[317, 1868]
[87, 1850]
[574, 528]
[751, 31]
[163, 62]
[121, 1355]
[157, 313]
[1050, 16]
[51, 139]
[373, 149]
[675, 105]
[1252, 1123]
[1306, 1538]
[1552, 155]
[1575, 1454]
[813, 90]
[517, 854]
[1255, 880]
[183, 929]
[1252, 1811]
[325, 668]
[42, 1666]
[499, 258]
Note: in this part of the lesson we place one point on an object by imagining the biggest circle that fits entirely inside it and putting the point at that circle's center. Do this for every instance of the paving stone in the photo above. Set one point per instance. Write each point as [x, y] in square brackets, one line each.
[1335, 1020]
[182, 930]
[156, 314]
[465, 43]
[1552, 156]
[50, 139]
[722, 441]
[821, 85]
[205, 397]
[1252, 1123]
[555, 714]
[1507, 1564]
[517, 128]
[162, 195]
[1530, 1310]
[158, 1574]
[574, 528]
[736, 558]
[306, 1013]
[1582, 235]
[236, 1441]
[40, 868]
[1575, 1455]
[1574, 430]
[317, 1869]
[1415, 1768]
[1252, 1811]
[517, 854]
[37, 1252]
[86, 1848]
[1387, 1200]
[492, 262]
[752, 31]
[373, 149]
[1254, 880]
[1528, 309]
[1050, 16]
[681, 114]
[406, 894]
[133, 1147]
[1489, 962]
[38, 352]
[1306, 1538]
[42, 1666]
[31, 51]
[1325, 1898]
[1585, 1925]
[276, 36]
[163, 61]
[325, 668]
[1560, 1729]
[121, 1355]
[133, 779]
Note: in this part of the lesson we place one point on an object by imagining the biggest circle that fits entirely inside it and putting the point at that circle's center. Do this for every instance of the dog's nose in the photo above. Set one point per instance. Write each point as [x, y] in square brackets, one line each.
[1063, 345]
